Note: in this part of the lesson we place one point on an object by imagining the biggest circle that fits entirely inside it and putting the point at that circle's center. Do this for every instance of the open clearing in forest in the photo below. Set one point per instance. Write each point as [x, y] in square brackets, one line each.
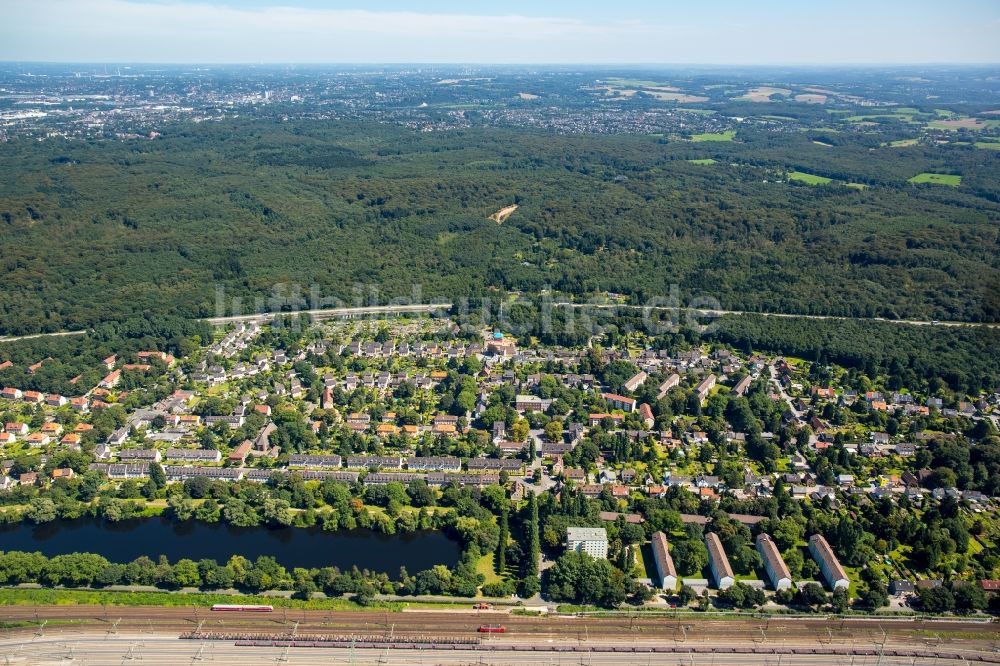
[811, 179]
[960, 123]
[948, 179]
[706, 160]
[503, 213]
[715, 136]
[763, 94]
[682, 98]
[524, 95]
[811, 98]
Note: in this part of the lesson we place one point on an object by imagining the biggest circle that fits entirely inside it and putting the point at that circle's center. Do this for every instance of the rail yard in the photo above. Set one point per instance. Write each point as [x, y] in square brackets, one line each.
[105, 635]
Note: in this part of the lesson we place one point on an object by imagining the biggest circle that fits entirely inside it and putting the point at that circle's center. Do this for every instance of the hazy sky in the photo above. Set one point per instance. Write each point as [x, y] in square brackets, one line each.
[514, 31]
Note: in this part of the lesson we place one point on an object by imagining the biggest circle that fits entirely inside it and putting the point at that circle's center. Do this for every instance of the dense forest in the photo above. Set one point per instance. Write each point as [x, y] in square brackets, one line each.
[98, 231]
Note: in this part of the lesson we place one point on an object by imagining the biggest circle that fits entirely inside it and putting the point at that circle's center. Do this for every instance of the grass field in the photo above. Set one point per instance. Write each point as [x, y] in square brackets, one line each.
[963, 123]
[31, 597]
[682, 98]
[809, 178]
[857, 186]
[485, 566]
[988, 145]
[937, 179]
[715, 136]
[632, 83]
[902, 143]
[709, 160]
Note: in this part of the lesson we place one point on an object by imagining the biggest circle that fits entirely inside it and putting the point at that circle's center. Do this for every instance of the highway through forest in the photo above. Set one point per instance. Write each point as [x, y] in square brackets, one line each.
[444, 307]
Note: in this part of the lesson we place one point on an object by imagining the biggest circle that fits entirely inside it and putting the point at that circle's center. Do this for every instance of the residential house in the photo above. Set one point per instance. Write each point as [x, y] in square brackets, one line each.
[590, 540]
[635, 381]
[135, 455]
[309, 460]
[240, 453]
[829, 565]
[664, 563]
[722, 572]
[531, 403]
[193, 455]
[774, 564]
[742, 386]
[671, 382]
[705, 386]
[619, 402]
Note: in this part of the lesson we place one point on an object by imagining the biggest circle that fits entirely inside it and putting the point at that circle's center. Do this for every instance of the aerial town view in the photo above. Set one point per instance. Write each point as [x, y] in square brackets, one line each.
[464, 359]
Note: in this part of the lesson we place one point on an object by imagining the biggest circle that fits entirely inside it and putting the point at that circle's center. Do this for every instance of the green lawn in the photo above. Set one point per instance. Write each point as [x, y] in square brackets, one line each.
[633, 83]
[988, 145]
[709, 160]
[485, 567]
[715, 136]
[63, 597]
[809, 178]
[857, 186]
[937, 179]
[902, 143]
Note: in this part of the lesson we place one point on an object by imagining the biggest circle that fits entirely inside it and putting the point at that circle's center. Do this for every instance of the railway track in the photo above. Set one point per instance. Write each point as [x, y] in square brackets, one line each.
[834, 651]
[185, 619]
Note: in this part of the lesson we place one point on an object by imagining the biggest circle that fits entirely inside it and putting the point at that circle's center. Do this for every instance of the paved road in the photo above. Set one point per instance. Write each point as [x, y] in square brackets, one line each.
[57, 334]
[773, 371]
[339, 313]
[706, 312]
[383, 310]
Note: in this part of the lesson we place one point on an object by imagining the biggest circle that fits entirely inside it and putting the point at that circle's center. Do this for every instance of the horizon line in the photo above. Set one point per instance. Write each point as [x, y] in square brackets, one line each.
[495, 64]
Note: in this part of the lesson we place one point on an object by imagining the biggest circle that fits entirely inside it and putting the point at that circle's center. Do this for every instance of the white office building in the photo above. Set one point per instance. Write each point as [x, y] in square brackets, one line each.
[590, 540]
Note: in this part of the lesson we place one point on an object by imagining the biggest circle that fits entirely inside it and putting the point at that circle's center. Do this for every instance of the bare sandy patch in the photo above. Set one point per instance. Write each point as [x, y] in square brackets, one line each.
[812, 98]
[527, 95]
[682, 98]
[763, 94]
[959, 123]
[503, 213]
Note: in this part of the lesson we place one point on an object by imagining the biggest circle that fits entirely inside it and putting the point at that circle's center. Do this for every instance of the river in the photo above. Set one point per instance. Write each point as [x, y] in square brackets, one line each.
[290, 546]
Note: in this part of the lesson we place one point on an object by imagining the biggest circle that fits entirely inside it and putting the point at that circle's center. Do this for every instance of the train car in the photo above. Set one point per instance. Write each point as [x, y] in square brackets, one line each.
[243, 608]
[492, 629]
[482, 606]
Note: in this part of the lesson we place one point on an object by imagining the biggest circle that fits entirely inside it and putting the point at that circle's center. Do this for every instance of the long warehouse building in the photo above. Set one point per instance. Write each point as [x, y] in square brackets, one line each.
[774, 564]
[828, 563]
[722, 572]
[664, 563]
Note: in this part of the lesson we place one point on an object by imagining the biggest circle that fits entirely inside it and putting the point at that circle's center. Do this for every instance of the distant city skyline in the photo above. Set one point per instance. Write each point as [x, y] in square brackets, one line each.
[785, 32]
